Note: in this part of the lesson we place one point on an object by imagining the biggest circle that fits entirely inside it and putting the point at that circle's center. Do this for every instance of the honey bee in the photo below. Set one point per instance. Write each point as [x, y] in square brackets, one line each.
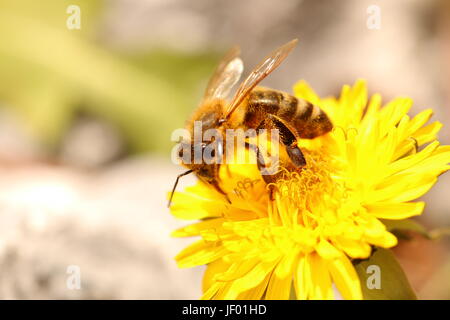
[252, 107]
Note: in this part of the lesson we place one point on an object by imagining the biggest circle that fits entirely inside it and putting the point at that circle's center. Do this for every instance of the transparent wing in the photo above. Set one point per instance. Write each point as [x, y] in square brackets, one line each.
[226, 75]
[270, 63]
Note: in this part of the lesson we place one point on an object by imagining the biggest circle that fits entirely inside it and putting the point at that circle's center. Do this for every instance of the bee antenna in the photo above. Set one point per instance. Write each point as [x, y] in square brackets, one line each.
[175, 185]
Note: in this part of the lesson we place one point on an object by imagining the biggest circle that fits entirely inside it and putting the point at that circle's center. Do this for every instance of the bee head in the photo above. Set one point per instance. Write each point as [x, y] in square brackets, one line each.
[199, 154]
[205, 167]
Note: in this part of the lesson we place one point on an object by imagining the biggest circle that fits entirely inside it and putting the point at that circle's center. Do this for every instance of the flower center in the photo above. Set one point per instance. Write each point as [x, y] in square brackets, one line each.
[306, 190]
[306, 183]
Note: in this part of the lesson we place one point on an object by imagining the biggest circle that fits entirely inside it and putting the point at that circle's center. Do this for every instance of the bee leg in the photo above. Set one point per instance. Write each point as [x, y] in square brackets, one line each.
[296, 155]
[287, 137]
[268, 179]
[216, 186]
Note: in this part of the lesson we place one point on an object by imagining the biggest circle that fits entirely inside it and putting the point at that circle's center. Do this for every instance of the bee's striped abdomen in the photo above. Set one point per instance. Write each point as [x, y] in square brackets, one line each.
[308, 120]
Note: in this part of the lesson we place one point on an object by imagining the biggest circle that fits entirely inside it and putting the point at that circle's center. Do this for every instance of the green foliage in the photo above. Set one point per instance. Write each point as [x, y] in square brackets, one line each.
[393, 282]
[400, 227]
[48, 73]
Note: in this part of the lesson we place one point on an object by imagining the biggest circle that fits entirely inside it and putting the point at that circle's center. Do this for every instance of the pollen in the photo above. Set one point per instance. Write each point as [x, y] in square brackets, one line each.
[302, 185]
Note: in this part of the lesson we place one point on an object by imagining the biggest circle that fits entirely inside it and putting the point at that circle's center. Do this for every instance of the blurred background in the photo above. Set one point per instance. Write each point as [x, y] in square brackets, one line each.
[86, 116]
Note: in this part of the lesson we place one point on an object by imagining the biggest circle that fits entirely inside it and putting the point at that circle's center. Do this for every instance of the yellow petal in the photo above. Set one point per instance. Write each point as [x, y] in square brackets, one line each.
[412, 161]
[238, 269]
[286, 265]
[302, 279]
[419, 120]
[356, 249]
[197, 228]
[427, 133]
[391, 114]
[321, 279]
[326, 250]
[199, 253]
[212, 291]
[256, 293]
[384, 240]
[395, 211]
[279, 288]
[211, 271]
[403, 188]
[250, 280]
[197, 202]
[344, 276]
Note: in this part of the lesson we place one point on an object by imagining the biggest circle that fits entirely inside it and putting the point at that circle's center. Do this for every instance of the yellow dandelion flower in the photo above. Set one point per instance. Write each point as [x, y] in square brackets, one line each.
[304, 239]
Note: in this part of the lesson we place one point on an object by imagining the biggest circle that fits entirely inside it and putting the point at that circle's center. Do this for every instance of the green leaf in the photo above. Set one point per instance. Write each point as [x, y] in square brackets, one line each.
[400, 226]
[382, 277]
